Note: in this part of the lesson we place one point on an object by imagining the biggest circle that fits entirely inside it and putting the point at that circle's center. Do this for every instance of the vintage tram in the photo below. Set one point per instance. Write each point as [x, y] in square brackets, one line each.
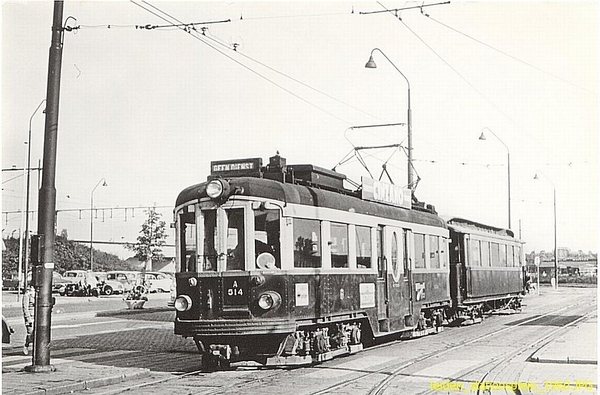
[487, 270]
[280, 264]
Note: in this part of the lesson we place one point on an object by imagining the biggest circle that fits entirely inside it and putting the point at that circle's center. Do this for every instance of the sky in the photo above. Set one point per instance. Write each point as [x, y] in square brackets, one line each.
[148, 109]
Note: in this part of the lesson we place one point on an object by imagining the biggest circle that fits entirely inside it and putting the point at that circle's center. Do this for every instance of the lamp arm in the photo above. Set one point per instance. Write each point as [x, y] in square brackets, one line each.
[392, 63]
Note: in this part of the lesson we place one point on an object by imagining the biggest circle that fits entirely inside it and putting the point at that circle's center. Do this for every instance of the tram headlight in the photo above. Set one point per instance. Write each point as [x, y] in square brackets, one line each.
[183, 303]
[217, 189]
[269, 300]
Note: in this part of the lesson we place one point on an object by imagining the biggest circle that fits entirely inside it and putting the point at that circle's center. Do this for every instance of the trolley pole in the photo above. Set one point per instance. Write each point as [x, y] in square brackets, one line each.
[44, 262]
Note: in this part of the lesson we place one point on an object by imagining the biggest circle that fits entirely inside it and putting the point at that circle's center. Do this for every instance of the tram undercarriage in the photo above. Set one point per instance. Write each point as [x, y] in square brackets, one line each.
[306, 346]
[473, 313]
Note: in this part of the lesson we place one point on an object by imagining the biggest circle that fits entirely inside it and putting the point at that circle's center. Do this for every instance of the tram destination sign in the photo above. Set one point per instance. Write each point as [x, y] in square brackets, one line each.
[236, 167]
[383, 192]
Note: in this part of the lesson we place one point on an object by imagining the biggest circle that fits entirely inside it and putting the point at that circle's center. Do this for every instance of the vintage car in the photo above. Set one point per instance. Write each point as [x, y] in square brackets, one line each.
[158, 281]
[129, 279]
[108, 287]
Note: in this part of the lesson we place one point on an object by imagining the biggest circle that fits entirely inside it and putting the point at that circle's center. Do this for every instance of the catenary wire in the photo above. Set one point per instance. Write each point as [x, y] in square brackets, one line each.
[243, 65]
[510, 56]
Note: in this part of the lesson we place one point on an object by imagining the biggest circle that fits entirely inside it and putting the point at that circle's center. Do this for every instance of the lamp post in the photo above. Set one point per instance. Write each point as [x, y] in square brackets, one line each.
[104, 184]
[371, 65]
[536, 177]
[27, 193]
[482, 137]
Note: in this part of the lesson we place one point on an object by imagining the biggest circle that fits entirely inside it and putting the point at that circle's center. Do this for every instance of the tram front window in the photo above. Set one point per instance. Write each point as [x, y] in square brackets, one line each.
[236, 254]
[209, 259]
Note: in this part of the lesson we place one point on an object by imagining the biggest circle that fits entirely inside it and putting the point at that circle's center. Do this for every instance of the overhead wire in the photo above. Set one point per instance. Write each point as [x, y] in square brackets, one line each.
[13, 178]
[493, 104]
[190, 29]
[488, 100]
[510, 56]
[240, 63]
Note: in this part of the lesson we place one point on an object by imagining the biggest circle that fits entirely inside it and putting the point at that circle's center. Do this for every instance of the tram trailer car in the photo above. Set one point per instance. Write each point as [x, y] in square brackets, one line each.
[487, 270]
[282, 265]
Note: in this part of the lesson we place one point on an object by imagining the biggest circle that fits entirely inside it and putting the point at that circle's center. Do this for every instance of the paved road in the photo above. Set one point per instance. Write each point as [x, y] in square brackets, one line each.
[145, 339]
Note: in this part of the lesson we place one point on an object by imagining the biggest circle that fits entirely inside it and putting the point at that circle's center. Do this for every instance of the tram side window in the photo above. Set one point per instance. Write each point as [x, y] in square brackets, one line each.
[236, 250]
[187, 237]
[419, 251]
[510, 256]
[339, 245]
[503, 259]
[475, 253]
[495, 254]
[485, 253]
[266, 236]
[307, 243]
[434, 252]
[363, 247]
[518, 256]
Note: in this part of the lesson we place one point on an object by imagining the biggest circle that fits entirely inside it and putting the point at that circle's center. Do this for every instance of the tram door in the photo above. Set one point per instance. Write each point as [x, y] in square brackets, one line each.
[382, 282]
[399, 279]
[394, 279]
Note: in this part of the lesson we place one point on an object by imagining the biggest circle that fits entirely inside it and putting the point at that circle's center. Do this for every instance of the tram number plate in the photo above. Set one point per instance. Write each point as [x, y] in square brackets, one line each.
[234, 291]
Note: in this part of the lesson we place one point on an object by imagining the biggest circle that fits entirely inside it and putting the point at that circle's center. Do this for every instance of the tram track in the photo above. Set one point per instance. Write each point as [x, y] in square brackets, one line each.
[396, 371]
[258, 377]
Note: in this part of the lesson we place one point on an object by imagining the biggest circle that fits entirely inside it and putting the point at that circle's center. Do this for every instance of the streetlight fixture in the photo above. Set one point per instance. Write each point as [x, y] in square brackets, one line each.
[482, 137]
[536, 177]
[104, 184]
[371, 65]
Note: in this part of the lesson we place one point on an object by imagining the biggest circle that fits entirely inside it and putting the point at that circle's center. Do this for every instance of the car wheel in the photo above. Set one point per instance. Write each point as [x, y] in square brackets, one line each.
[108, 290]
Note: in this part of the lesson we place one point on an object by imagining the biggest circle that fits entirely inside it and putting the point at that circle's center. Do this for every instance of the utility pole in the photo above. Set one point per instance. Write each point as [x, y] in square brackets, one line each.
[44, 242]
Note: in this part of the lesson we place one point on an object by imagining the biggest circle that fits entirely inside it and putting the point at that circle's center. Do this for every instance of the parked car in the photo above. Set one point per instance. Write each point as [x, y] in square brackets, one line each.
[10, 283]
[74, 276]
[108, 287]
[58, 282]
[128, 278]
[158, 281]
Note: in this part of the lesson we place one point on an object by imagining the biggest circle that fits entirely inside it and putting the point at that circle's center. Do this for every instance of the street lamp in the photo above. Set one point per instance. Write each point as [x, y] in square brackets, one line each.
[371, 65]
[482, 137]
[536, 177]
[27, 194]
[104, 184]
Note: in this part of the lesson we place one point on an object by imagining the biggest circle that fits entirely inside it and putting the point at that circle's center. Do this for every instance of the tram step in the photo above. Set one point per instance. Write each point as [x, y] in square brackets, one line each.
[293, 360]
[416, 334]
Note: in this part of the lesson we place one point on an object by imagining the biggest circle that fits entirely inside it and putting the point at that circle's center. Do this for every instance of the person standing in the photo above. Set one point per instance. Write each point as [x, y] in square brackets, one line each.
[92, 284]
[28, 315]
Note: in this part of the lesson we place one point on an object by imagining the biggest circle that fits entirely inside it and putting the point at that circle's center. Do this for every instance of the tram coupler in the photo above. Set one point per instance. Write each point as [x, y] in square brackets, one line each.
[218, 356]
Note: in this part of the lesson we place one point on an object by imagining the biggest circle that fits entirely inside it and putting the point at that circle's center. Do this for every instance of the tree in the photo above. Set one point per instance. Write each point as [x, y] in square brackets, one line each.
[151, 238]
[10, 257]
[68, 255]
